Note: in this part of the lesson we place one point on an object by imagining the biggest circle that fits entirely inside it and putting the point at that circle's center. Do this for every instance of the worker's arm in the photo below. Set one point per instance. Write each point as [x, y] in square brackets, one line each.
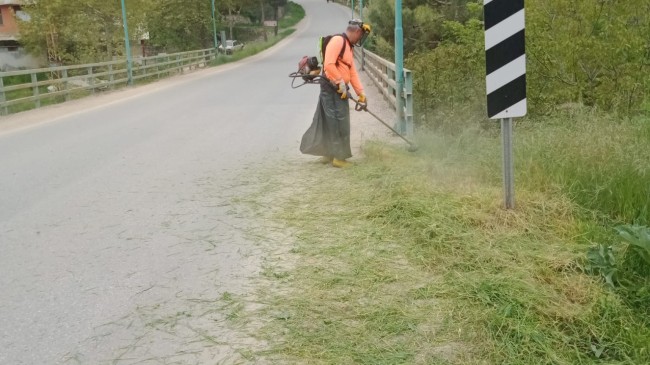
[355, 81]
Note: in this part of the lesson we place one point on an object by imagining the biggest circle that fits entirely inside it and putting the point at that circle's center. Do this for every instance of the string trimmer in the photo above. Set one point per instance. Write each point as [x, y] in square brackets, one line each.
[362, 106]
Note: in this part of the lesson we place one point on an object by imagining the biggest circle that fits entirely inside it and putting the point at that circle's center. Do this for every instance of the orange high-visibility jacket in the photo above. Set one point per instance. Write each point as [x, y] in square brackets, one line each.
[344, 70]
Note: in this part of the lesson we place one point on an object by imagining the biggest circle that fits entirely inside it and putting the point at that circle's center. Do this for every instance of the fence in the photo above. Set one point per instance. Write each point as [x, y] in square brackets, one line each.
[382, 73]
[27, 89]
[58, 84]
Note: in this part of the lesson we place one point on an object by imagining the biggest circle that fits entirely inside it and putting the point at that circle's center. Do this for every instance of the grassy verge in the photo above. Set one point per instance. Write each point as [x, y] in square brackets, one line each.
[410, 259]
[251, 49]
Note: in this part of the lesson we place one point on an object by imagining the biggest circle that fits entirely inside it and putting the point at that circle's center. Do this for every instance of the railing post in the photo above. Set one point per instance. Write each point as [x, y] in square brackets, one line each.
[111, 77]
[408, 102]
[65, 84]
[35, 91]
[91, 79]
[3, 98]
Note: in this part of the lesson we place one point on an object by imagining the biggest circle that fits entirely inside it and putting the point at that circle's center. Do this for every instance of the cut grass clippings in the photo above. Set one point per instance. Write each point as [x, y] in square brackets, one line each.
[411, 259]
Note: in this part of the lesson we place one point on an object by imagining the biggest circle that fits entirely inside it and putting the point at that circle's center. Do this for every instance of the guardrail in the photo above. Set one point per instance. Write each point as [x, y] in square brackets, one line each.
[58, 84]
[382, 73]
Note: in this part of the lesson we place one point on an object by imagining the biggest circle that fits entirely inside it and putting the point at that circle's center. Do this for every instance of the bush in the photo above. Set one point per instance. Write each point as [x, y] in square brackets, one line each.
[625, 265]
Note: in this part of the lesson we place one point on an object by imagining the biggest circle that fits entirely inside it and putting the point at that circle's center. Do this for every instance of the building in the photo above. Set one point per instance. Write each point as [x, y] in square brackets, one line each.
[12, 55]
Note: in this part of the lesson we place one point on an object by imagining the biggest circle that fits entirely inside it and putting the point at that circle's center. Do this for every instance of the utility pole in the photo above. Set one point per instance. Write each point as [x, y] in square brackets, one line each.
[214, 25]
[363, 55]
[129, 60]
[352, 7]
[399, 66]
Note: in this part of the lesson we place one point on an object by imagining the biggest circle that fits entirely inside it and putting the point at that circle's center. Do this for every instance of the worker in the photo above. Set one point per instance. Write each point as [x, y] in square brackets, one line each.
[329, 134]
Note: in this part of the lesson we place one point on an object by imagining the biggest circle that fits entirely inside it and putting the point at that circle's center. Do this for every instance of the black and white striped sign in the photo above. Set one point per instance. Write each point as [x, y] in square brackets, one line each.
[505, 58]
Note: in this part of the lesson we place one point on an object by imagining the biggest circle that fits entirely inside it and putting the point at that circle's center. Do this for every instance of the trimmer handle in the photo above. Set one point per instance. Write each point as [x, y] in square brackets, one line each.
[359, 106]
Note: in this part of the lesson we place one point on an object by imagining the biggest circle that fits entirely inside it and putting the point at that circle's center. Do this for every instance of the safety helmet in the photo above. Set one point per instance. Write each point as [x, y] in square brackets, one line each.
[364, 27]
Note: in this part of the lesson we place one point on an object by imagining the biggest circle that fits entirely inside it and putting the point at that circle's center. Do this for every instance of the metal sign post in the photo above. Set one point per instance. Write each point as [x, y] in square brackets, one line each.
[508, 165]
[505, 66]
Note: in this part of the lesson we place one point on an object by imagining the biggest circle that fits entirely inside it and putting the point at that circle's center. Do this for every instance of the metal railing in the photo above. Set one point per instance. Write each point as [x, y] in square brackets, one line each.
[58, 84]
[382, 73]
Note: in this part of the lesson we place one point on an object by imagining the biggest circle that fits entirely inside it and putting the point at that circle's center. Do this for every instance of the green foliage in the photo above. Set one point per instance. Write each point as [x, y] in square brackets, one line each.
[294, 13]
[625, 265]
[593, 53]
[22, 79]
[638, 239]
[92, 32]
[450, 80]
[601, 260]
[178, 25]
[381, 15]
[84, 31]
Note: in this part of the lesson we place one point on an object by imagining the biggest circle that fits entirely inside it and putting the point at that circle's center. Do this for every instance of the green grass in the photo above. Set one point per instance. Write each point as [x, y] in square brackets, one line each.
[411, 259]
[600, 162]
[294, 14]
[45, 100]
[251, 49]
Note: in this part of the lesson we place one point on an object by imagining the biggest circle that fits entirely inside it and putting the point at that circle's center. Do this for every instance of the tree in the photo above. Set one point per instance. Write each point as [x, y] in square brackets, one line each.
[179, 25]
[76, 31]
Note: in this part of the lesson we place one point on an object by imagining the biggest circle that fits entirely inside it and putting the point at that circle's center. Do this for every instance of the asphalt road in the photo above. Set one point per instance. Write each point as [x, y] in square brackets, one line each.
[117, 237]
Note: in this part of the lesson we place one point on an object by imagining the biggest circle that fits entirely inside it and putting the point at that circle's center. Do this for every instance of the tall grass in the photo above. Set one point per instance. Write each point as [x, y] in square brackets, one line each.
[600, 162]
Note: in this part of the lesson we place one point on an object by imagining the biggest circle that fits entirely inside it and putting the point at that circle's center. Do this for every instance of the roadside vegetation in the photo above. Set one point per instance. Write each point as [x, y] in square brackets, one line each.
[294, 14]
[70, 49]
[411, 258]
[93, 32]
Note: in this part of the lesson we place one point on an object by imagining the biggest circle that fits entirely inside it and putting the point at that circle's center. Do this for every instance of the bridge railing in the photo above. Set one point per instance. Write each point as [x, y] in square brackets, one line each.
[28, 89]
[383, 75]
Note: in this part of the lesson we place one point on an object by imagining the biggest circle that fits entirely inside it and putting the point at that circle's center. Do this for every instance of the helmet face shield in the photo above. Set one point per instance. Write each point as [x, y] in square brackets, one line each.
[362, 40]
[364, 28]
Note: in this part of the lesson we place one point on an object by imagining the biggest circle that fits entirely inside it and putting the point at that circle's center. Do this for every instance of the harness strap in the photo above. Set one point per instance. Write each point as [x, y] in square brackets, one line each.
[345, 43]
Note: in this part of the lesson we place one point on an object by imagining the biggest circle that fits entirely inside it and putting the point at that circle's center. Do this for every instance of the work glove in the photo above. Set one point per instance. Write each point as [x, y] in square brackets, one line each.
[361, 102]
[343, 90]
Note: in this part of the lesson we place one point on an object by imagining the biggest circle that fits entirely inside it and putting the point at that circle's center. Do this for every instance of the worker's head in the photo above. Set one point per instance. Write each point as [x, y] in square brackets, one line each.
[357, 32]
